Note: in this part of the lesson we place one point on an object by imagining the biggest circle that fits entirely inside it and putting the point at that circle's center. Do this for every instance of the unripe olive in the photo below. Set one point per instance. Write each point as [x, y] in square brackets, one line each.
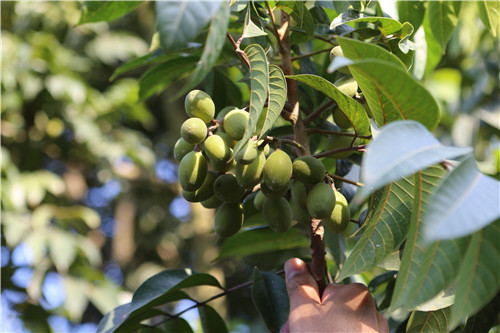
[339, 142]
[235, 123]
[181, 148]
[258, 200]
[205, 191]
[194, 130]
[341, 119]
[337, 52]
[300, 214]
[338, 220]
[212, 202]
[222, 166]
[264, 148]
[299, 194]
[192, 171]
[216, 149]
[308, 170]
[347, 85]
[199, 104]
[227, 189]
[229, 141]
[250, 175]
[278, 214]
[222, 113]
[248, 153]
[277, 170]
[274, 194]
[228, 219]
[320, 201]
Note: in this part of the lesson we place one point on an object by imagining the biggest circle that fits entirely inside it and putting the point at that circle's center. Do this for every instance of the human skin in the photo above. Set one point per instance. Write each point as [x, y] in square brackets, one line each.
[342, 308]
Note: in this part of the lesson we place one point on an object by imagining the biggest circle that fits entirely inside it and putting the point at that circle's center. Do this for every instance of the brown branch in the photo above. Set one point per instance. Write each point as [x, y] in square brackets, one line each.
[328, 132]
[310, 54]
[318, 261]
[345, 180]
[316, 113]
[236, 46]
[341, 150]
[286, 141]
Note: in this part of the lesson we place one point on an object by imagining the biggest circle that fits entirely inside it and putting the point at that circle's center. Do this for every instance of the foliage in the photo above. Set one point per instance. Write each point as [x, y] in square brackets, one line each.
[423, 156]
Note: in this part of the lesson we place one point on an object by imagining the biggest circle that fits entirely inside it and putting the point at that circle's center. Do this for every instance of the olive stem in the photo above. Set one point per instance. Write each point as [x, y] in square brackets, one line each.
[341, 150]
[236, 46]
[286, 141]
[328, 132]
[345, 180]
[310, 54]
[316, 113]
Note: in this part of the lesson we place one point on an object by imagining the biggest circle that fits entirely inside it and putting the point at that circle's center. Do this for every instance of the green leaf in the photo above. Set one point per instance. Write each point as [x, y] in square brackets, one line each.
[412, 12]
[393, 94]
[261, 240]
[400, 149]
[394, 45]
[425, 271]
[148, 59]
[62, 249]
[250, 29]
[213, 46]
[434, 50]
[95, 11]
[303, 26]
[489, 13]
[385, 227]
[386, 25]
[484, 319]
[277, 97]
[259, 88]
[478, 281]
[270, 298]
[177, 325]
[179, 22]
[351, 109]
[429, 322]
[158, 77]
[466, 201]
[443, 18]
[211, 321]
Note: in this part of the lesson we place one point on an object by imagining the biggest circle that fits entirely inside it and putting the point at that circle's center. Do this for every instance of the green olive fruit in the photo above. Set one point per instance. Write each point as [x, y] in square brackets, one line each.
[235, 123]
[274, 194]
[339, 142]
[181, 148]
[347, 85]
[258, 200]
[277, 170]
[338, 220]
[216, 149]
[229, 141]
[299, 194]
[369, 112]
[192, 171]
[227, 189]
[265, 148]
[221, 166]
[320, 201]
[278, 214]
[248, 153]
[228, 219]
[193, 130]
[250, 175]
[299, 214]
[205, 191]
[212, 202]
[222, 113]
[308, 170]
[200, 105]
[337, 52]
[341, 119]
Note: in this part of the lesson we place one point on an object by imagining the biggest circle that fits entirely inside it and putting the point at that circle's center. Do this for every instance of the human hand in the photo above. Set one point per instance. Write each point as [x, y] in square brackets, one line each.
[342, 308]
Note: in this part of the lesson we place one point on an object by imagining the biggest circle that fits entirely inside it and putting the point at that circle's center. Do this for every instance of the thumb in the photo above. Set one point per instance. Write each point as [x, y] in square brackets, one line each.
[300, 285]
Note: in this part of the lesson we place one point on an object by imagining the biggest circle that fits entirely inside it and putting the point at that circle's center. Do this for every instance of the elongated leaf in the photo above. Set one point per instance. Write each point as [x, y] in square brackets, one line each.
[351, 109]
[302, 19]
[159, 76]
[148, 59]
[434, 50]
[354, 49]
[489, 12]
[120, 319]
[425, 271]
[429, 322]
[385, 227]
[484, 319]
[211, 321]
[412, 12]
[270, 299]
[466, 202]
[250, 29]
[277, 97]
[261, 240]
[95, 11]
[177, 325]
[259, 88]
[386, 25]
[179, 22]
[443, 18]
[400, 149]
[478, 280]
[393, 94]
[213, 46]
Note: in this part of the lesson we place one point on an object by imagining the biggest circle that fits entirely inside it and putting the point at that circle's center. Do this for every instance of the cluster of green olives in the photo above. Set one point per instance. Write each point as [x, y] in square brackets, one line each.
[210, 173]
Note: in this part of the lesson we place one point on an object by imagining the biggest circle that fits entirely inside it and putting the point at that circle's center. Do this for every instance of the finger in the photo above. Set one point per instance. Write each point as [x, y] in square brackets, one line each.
[300, 284]
[383, 325]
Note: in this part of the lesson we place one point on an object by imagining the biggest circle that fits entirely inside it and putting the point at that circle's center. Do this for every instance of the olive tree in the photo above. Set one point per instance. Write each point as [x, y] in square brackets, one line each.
[318, 129]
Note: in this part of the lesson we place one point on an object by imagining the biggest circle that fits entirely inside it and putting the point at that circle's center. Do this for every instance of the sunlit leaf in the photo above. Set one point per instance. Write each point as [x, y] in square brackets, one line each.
[250, 29]
[478, 281]
[412, 12]
[489, 12]
[95, 11]
[211, 321]
[259, 88]
[434, 50]
[443, 18]
[386, 25]
[277, 97]
[466, 201]
[148, 59]
[347, 105]
[429, 322]
[270, 299]
[62, 249]
[302, 18]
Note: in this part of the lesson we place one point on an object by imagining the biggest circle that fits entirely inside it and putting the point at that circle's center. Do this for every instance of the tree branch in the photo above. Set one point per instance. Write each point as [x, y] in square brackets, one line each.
[316, 113]
[310, 54]
[328, 132]
[341, 150]
[236, 46]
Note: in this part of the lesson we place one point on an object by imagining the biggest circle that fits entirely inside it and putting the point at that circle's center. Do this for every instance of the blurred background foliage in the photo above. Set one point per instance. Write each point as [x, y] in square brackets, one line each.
[90, 201]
